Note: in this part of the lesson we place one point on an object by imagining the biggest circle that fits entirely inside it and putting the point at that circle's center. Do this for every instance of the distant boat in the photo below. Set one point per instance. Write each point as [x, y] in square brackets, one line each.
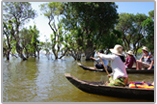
[132, 70]
[101, 89]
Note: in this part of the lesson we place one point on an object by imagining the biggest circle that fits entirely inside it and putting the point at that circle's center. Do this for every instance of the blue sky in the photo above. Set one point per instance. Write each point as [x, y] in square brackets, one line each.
[123, 7]
[135, 7]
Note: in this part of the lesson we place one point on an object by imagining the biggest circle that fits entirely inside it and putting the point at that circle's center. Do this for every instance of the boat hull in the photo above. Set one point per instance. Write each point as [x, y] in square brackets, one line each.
[133, 70]
[100, 89]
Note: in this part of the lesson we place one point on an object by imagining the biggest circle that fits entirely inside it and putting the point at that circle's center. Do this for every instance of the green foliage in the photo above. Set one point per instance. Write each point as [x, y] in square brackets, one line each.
[16, 14]
[90, 29]
[29, 39]
[151, 14]
[139, 50]
[132, 31]
[148, 26]
[18, 11]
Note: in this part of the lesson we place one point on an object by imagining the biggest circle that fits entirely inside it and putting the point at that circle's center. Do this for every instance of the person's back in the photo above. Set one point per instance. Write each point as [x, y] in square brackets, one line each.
[104, 61]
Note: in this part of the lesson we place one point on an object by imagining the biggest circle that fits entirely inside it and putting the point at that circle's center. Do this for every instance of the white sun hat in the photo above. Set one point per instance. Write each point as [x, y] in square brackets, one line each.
[130, 52]
[117, 50]
[145, 48]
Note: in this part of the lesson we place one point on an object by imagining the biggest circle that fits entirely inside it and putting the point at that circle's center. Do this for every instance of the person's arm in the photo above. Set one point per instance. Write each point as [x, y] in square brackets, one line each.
[106, 57]
[141, 58]
[152, 62]
[110, 75]
[92, 58]
[126, 61]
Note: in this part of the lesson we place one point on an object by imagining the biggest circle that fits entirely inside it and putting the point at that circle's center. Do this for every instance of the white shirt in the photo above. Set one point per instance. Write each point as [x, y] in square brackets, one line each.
[118, 67]
[104, 61]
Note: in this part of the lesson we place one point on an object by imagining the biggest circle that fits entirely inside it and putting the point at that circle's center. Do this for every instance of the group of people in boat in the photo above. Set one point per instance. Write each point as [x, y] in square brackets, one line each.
[119, 76]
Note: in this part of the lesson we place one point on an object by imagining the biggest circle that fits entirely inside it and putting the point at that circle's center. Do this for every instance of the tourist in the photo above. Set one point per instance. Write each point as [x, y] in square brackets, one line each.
[100, 65]
[148, 60]
[130, 60]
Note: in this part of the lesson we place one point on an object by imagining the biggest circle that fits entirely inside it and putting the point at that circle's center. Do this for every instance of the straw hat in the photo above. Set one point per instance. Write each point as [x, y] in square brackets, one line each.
[116, 50]
[145, 48]
[130, 52]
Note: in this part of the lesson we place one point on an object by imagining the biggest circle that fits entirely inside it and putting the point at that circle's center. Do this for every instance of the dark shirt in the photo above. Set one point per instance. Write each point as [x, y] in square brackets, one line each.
[130, 61]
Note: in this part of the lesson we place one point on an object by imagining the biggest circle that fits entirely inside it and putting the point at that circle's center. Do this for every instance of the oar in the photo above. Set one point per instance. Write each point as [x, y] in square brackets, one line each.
[104, 65]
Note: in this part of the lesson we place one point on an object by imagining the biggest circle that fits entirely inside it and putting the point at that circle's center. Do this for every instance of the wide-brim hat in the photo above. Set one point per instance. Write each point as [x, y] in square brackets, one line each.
[130, 52]
[145, 48]
[116, 50]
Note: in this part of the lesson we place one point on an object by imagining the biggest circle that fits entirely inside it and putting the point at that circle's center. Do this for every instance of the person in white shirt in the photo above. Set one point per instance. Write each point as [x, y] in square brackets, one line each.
[100, 65]
[119, 76]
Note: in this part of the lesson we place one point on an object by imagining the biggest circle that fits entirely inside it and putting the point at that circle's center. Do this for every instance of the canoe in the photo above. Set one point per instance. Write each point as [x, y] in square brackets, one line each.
[132, 70]
[100, 89]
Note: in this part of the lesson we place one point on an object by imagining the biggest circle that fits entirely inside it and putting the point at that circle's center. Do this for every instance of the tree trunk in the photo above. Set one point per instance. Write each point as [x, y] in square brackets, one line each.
[38, 53]
[20, 51]
[27, 55]
[7, 54]
[88, 53]
[90, 50]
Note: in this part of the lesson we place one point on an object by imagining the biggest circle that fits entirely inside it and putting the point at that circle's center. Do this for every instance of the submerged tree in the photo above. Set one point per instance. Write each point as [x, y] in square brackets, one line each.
[92, 21]
[8, 38]
[29, 41]
[17, 13]
[53, 11]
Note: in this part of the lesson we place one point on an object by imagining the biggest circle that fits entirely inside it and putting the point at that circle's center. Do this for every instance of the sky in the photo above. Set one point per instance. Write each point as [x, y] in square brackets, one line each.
[123, 7]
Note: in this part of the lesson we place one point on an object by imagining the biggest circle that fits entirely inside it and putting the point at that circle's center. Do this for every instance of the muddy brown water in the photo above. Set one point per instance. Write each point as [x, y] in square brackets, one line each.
[43, 80]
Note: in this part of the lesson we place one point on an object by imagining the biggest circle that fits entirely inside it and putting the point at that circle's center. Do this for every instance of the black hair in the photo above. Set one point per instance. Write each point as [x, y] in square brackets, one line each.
[101, 51]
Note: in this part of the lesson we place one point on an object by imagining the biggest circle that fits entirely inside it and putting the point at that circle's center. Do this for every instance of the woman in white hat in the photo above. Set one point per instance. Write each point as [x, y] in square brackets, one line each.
[148, 60]
[119, 76]
[130, 60]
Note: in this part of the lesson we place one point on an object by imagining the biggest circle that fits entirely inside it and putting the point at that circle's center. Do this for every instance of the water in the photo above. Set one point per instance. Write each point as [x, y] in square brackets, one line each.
[43, 80]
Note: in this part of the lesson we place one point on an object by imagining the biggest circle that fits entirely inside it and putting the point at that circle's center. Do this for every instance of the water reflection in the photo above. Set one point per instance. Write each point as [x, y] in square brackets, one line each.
[43, 80]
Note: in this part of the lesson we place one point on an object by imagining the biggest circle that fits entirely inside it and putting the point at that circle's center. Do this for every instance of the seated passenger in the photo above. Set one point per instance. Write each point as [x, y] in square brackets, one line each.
[100, 65]
[130, 60]
[148, 60]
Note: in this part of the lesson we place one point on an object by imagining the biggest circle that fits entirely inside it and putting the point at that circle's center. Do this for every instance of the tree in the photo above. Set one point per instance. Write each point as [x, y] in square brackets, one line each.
[132, 31]
[25, 38]
[111, 39]
[18, 13]
[91, 26]
[53, 11]
[148, 26]
[151, 14]
[34, 40]
[74, 49]
[29, 41]
[7, 30]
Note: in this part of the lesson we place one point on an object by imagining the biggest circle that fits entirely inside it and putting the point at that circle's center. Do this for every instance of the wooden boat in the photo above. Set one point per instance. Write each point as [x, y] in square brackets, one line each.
[101, 89]
[133, 70]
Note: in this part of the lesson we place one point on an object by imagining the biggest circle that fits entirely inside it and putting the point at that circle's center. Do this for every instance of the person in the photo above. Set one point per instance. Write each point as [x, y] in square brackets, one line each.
[130, 60]
[100, 65]
[148, 60]
[119, 76]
